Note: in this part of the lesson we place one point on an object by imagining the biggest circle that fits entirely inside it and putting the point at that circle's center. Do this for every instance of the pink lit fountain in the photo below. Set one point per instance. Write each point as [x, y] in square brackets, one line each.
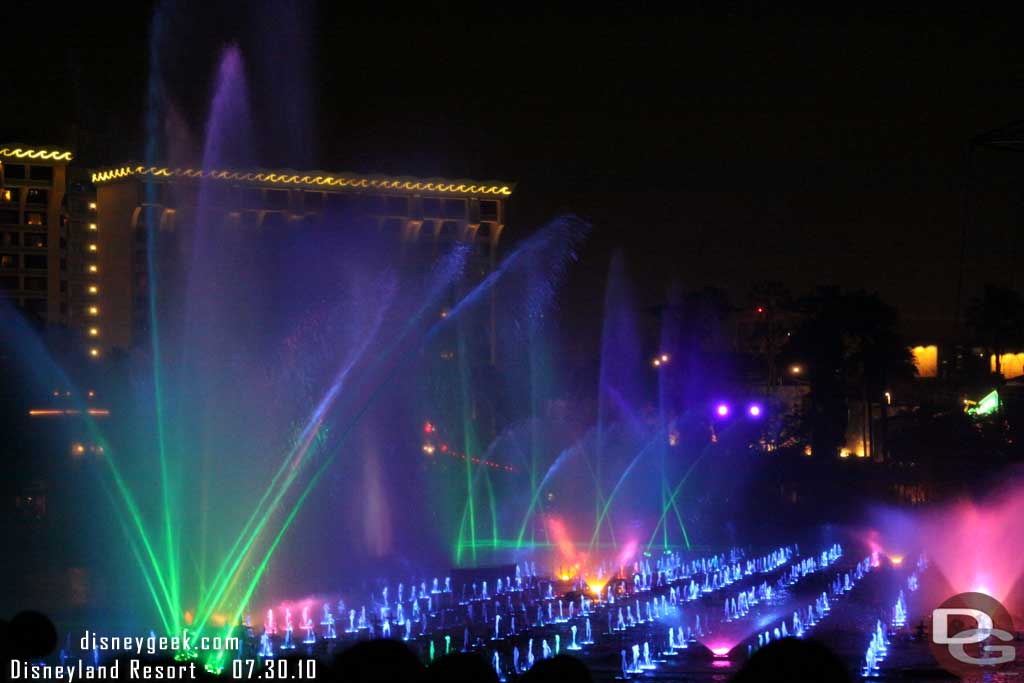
[974, 546]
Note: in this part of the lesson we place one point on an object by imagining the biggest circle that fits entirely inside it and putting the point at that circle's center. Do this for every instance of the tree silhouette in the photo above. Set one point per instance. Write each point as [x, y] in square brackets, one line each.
[773, 304]
[851, 348]
[997, 320]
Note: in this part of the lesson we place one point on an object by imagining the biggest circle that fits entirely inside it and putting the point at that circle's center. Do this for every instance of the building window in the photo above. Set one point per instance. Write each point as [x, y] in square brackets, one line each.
[16, 171]
[455, 208]
[432, 207]
[35, 218]
[372, 204]
[36, 196]
[8, 261]
[449, 232]
[36, 308]
[9, 194]
[276, 199]
[35, 261]
[340, 203]
[274, 219]
[252, 199]
[312, 201]
[41, 173]
[393, 226]
[9, 283]
[10, 239]
[31, 505]
[35, 284]
[488, 210]
[35, 239]
[396, 206]
[485, 232]
[9, 217]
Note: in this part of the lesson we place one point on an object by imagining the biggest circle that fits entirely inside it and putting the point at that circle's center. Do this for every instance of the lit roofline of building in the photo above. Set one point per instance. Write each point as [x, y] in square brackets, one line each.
[15, 151]
[51, 412]
[312, 180]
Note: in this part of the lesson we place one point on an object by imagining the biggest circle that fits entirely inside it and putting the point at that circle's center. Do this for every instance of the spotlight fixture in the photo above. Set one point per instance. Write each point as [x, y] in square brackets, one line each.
[755, 410]
[722, 410]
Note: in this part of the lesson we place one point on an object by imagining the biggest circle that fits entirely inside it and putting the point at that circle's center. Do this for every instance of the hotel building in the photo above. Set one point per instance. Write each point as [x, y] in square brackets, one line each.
[48, 241]
[425, 214]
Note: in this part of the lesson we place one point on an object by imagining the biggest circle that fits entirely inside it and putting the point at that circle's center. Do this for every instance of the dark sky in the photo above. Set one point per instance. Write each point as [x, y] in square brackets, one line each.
[716, 146]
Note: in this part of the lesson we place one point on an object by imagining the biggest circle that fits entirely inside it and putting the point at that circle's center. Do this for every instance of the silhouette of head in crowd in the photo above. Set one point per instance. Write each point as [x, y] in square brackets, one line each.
[461, 667]
[377, 661]
[791, 659]
[558, 669]
[28, 635]
[31, 636]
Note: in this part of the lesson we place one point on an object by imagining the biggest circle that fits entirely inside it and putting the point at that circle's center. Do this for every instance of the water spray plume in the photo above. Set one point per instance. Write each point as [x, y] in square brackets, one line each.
[975, 546]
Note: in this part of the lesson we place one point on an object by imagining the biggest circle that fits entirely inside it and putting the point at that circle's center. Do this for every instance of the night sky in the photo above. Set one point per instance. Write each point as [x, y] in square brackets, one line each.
[718, 146]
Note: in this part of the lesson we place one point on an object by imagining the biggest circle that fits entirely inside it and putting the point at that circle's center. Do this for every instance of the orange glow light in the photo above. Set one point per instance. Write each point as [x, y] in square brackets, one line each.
[926, 359]
[49, 412]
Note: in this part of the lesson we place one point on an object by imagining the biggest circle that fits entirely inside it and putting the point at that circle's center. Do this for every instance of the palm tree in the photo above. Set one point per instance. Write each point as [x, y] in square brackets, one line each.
[852, 350]
[772, 302]
[997, 320]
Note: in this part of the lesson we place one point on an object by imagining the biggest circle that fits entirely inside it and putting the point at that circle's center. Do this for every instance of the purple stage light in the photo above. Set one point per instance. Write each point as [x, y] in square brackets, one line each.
[754, 410]
[722, 410]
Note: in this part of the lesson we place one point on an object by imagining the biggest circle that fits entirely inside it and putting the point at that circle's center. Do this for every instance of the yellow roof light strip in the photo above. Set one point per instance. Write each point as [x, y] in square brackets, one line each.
[41, 154]
[302, 180]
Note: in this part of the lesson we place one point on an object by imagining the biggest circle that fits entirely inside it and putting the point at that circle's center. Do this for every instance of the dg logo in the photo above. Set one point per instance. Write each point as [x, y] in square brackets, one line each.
[972, 631]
